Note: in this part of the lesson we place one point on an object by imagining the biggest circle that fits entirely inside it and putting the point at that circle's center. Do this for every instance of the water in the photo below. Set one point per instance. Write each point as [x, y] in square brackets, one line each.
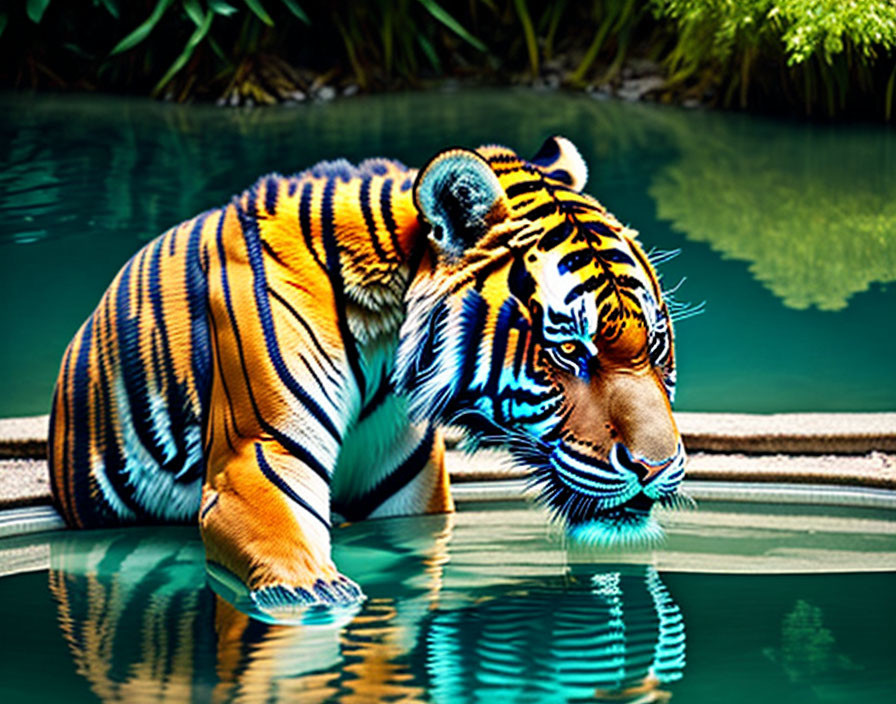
[485, 605]
[788, 231]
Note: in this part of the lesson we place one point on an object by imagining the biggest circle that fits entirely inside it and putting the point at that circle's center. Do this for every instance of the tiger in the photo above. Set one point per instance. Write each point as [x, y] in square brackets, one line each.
[289, 361]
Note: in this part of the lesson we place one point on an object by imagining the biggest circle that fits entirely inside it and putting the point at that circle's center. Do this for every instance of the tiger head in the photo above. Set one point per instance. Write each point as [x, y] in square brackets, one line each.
[535, 321]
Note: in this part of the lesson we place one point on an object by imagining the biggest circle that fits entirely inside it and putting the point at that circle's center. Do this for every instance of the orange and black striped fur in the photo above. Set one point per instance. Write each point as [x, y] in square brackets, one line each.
[292, 354]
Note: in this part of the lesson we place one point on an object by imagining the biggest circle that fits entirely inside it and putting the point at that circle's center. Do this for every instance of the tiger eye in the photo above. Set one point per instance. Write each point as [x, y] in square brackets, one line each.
[569, 348]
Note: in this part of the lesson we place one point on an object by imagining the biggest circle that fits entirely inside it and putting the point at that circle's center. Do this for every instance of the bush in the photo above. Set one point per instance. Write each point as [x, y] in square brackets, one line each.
[811, 52]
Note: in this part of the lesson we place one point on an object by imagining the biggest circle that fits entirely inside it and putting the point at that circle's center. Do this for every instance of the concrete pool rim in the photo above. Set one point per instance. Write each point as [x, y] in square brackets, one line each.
[825, 459]
[787, 433]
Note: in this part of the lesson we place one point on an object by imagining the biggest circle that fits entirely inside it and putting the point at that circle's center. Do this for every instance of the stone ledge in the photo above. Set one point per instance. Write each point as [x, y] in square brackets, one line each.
[24, 437]
[788, 433]
[791, 433]
[25, 482]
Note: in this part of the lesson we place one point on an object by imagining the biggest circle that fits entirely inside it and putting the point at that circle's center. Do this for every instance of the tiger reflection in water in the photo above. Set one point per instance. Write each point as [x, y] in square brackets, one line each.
[139, 629]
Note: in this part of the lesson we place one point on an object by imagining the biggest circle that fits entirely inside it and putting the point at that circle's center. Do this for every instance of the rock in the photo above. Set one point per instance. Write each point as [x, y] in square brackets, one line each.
[637, 88]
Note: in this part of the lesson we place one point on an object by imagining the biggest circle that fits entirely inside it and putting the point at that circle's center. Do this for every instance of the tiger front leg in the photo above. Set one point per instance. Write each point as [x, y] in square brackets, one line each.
[264, 519]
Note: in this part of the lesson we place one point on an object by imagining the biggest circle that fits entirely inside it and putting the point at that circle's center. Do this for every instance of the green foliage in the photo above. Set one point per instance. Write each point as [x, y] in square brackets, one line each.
[805, 28]
[260, 12]
[819, 47]
[381, 41]
[142, 32]
[442, 16]
[812, 54]
[203, 24]
[36, 9]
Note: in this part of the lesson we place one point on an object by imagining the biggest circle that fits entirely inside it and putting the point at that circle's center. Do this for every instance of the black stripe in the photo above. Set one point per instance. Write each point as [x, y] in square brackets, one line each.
[599, 229]
[376, 400]
[277, 481]
[386, 210]
[226, 389]
[499, 338]
[474, 313]
[175, 403]
[197, 297]
[505, 159]
[270, 194]
[304, 323]
[305, 221]
[555, 236]
[334, 271]
[365, 504]
[131, 368]
[628, 281]
[589, 284]
[575, 260]
[61, 495]
[518, 189]
[113, 462]
[541, 211]
[81, 420]
[615, 256]
[210, 506]
[369, 222]
[113, 459]
[271, 252]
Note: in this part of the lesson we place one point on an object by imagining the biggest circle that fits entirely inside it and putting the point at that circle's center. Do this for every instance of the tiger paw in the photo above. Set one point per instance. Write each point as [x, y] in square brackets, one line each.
[333, 600]
[338, 592]
[326, 601]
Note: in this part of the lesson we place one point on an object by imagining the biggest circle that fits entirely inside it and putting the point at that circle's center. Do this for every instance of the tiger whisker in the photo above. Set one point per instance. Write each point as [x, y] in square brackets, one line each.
[660, 256]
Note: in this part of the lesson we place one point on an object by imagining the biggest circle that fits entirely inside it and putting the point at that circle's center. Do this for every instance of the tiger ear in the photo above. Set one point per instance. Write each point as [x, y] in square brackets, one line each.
[458, 194]
[560, 160]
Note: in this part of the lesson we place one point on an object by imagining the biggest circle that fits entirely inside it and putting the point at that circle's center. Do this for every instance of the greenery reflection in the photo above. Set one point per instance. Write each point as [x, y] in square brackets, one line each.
[141, 626]
[812, 212]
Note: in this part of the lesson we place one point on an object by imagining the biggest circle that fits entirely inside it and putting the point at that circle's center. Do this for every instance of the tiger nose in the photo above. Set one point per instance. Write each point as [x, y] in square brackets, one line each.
[643, 468]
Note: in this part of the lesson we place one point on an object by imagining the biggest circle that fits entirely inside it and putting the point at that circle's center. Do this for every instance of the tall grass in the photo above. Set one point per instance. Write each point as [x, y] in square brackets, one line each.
[820, 57]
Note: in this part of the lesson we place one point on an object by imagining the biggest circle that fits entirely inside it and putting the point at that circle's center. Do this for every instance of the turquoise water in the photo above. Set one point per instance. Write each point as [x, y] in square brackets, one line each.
[483, 606]
[787, 231]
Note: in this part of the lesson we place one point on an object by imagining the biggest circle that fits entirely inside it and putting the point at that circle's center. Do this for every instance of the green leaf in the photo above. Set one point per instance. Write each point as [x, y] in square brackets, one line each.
[439, 13]
[4, 19]
[529, 33]
[221, 8]
[197, 36]
[295, 9]
[76, 50]
[36, 9]
[430, 53]
[194, 11]
[111, 7]
[139, 34]
[260, 12]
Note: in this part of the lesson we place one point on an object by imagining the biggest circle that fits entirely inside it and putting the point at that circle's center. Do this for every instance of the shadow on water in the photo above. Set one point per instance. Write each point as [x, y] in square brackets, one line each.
[140, 626]
[788, 230]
